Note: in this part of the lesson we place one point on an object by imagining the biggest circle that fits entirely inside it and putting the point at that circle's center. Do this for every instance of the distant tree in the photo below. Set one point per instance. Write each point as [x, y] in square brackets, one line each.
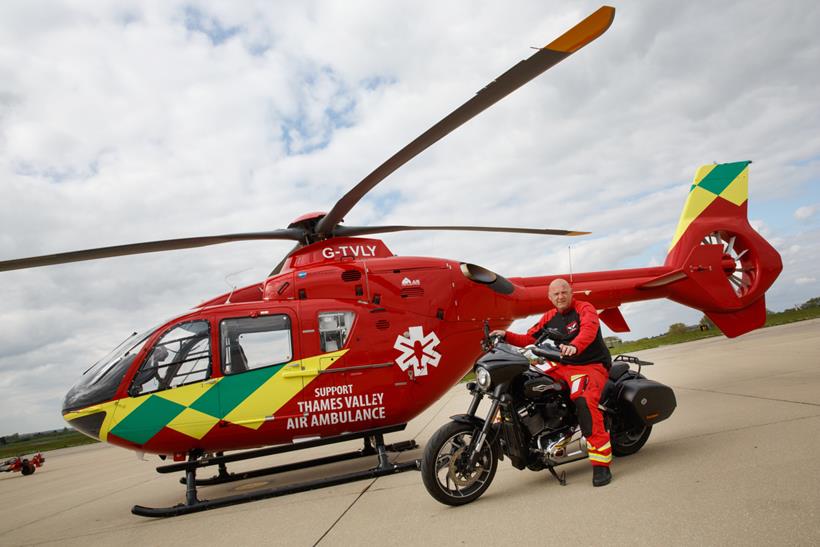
[706, 323]
[677, 328]
[612, 341]
[811, 303]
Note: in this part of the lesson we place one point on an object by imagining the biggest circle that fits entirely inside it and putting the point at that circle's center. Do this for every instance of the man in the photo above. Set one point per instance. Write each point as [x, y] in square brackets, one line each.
[585, 362]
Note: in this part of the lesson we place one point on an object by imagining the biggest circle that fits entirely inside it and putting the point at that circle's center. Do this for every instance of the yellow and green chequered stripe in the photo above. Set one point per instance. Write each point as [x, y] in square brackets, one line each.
[243, 399]
[729, 181]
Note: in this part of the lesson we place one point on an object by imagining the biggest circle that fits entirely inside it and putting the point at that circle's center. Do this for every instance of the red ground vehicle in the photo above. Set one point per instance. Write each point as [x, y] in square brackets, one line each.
[346, 340]
[26, 466]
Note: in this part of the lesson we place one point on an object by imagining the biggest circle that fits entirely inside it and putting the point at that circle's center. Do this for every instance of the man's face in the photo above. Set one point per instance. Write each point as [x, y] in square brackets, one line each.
[560, 295]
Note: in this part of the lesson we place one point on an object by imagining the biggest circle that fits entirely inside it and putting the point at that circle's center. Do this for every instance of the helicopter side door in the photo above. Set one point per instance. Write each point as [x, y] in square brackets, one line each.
[347, 391]
[260, 363]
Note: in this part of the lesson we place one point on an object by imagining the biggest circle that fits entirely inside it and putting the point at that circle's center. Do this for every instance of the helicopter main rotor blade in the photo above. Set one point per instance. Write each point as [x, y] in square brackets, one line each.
[281, 264]
[343, 231]
[146, 247]
[556, 51]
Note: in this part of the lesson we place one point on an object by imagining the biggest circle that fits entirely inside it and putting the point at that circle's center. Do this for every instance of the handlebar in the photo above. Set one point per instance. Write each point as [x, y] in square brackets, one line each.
[551, 354]
[488, 342]
[554, 335]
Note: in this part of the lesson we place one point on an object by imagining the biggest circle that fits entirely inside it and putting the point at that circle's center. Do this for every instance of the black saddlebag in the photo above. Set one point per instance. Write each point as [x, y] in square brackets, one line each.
[652, 401]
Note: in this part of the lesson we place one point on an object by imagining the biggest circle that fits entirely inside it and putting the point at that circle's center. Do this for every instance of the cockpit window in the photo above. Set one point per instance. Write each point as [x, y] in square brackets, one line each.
[129, 346]
[254, 342]
[182, 356]
[100, 382]
[334, 327]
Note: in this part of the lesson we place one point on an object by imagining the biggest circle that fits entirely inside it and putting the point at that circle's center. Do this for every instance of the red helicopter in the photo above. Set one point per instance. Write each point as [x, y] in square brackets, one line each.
[346, 340]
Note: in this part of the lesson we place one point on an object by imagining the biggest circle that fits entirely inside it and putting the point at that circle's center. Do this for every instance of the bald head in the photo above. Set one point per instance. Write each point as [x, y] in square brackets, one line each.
[560, 294]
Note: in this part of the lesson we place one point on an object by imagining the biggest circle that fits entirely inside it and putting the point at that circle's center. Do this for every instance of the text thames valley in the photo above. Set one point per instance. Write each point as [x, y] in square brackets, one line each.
[338, 405]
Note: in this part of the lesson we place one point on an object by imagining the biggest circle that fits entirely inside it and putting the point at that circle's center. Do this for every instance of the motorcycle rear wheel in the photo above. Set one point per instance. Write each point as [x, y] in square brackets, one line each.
[444, 465]
[626, 439]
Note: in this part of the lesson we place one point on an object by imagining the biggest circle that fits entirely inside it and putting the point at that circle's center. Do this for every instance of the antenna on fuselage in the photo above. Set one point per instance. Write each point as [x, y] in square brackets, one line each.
[231, 286]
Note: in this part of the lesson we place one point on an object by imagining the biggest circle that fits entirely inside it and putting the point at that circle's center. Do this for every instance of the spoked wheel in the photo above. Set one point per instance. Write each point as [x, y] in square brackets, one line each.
[446, 469]
[628, 436]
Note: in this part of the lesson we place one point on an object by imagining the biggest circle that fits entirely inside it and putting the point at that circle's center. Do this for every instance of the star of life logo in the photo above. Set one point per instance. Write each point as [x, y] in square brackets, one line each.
[417, 351]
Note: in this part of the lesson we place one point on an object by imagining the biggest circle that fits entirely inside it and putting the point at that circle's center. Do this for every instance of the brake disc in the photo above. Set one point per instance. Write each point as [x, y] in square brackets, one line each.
[456, 472]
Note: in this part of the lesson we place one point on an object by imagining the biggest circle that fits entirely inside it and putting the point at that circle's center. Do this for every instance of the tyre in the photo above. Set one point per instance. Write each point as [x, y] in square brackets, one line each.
[26, 467]
[445, 467]
[628, 436]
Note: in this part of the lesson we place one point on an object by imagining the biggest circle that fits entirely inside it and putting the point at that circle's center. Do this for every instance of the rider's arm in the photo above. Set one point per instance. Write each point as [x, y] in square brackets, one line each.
[589, 325]
[522, 340]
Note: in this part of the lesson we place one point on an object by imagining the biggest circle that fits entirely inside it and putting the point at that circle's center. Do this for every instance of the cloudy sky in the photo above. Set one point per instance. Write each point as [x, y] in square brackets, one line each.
[133, 121]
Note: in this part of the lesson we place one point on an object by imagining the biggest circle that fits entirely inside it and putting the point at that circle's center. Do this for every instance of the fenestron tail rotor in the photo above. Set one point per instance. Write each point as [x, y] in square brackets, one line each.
[738, 263]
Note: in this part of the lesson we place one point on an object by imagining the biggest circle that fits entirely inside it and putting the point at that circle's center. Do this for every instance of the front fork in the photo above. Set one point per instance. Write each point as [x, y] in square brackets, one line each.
[479, 439]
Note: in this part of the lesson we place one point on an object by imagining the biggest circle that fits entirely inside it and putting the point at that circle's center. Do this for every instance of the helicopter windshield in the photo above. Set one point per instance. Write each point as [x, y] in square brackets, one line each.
[126, 347]
[100, 382]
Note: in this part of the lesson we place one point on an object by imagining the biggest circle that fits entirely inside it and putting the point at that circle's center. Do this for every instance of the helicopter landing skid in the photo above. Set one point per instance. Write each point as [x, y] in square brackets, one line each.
[374, 445]
[223, 476]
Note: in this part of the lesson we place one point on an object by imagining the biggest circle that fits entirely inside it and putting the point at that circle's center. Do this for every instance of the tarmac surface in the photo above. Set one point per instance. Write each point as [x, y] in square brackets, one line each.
[736, 464]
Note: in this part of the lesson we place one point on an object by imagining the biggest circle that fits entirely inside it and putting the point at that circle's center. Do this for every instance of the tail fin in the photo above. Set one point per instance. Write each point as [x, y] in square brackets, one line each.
[719, 263]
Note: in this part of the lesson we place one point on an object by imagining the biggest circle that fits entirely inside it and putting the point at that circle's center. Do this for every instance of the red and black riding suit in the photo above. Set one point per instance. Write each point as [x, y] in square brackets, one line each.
[585, 373]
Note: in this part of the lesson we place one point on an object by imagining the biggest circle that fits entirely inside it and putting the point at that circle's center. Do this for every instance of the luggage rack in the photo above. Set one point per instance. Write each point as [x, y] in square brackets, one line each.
[632, 360]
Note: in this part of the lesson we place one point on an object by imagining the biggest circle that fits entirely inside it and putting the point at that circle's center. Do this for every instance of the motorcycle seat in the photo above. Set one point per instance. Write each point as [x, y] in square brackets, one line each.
[617, 370]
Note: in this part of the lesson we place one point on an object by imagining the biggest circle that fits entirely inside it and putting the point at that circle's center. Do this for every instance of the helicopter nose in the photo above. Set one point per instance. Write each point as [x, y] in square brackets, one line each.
[86, 423]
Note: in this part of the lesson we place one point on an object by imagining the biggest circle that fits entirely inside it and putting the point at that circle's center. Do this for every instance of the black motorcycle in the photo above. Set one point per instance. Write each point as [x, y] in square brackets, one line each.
[532, 421]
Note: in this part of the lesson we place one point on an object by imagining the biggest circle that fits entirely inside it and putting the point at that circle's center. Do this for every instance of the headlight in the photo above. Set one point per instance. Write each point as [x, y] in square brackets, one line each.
[482, 378]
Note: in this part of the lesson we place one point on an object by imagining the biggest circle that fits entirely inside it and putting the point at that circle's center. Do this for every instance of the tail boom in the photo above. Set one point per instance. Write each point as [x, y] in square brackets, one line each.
[717, 263]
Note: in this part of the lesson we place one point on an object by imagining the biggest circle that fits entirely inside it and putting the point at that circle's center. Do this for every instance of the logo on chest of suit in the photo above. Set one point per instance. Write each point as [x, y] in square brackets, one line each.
[572, 326]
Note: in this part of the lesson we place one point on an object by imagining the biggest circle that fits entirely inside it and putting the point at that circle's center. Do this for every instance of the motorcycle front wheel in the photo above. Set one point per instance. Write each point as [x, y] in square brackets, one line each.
[445, 465]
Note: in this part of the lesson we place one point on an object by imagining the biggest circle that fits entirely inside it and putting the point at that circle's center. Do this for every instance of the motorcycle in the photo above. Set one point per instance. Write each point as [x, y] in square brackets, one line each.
[531, 419]
[25, 466]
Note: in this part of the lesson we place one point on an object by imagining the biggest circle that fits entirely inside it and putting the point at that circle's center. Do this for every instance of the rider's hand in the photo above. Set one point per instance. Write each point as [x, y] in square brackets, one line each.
[500, 333]
[568, 350]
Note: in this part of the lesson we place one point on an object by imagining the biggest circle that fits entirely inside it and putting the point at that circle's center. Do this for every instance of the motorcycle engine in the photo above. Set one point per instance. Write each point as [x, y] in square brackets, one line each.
[544, 414]
[551, 437]
[562, 446]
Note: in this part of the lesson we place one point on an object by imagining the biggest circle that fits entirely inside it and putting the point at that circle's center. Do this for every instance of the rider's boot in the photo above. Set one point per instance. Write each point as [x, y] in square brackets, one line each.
[600, 475]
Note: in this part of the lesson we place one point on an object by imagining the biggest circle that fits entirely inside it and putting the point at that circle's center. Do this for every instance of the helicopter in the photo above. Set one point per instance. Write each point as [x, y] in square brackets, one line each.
[345, 340]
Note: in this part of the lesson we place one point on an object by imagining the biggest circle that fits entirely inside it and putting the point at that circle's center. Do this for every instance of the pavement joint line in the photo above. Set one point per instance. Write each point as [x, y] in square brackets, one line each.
[748, 396]
[349, 507]
[373, 481]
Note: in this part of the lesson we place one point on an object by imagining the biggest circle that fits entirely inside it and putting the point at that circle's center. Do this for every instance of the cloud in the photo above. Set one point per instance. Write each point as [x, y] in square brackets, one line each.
[141, 121]
[805, 280]
[805, 212]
